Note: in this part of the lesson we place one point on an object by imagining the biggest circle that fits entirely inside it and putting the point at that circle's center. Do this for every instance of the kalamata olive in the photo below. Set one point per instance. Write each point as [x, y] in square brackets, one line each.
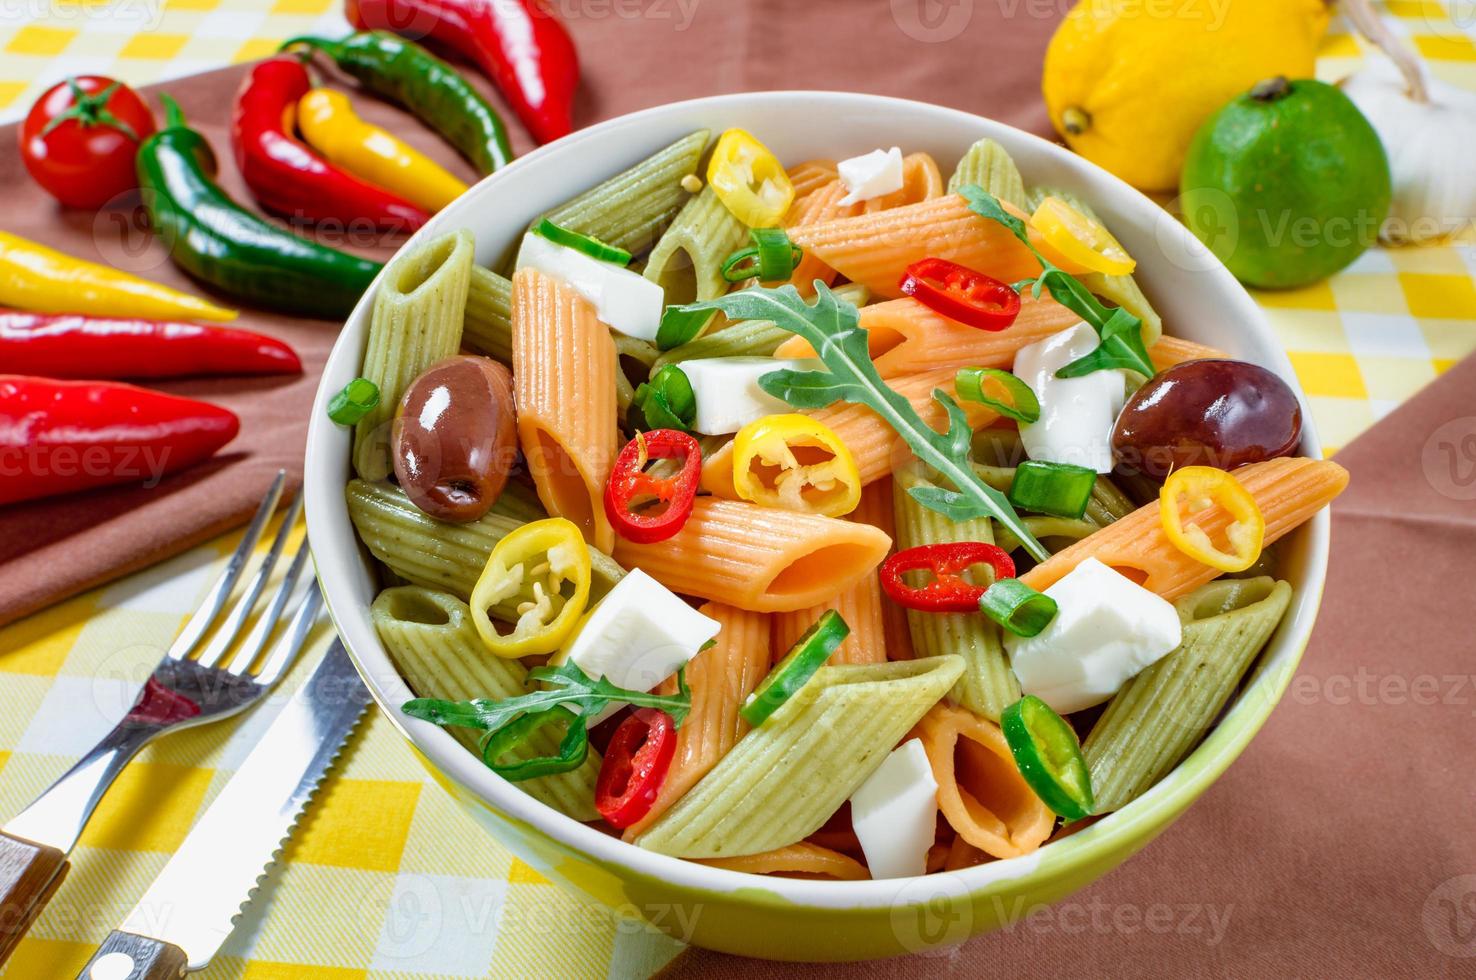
[1207, 413]
[455, 437]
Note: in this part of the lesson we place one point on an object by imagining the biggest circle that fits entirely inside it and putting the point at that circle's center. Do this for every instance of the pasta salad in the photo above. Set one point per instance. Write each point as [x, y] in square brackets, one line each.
[832, 520]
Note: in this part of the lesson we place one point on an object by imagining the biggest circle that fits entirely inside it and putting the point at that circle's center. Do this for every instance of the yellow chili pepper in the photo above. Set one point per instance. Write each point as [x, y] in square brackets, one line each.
[1081, 239]
[330, 125]
[1196, 489]
[796, 463]
[34, 277]
[749, 180]
[544, 568]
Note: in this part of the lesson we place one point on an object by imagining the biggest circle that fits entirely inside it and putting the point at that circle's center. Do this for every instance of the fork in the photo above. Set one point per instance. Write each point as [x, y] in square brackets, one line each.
[195, 682]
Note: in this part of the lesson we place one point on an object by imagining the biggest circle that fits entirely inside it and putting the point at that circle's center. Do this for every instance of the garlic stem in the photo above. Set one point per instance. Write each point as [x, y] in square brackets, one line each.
[1368, 23]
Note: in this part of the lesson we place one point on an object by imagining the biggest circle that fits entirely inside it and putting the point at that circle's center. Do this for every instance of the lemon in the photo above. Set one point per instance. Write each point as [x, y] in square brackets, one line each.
[1128, 82]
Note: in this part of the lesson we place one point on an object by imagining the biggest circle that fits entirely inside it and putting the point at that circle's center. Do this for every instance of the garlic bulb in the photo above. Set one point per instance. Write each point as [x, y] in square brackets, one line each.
[1428, 129]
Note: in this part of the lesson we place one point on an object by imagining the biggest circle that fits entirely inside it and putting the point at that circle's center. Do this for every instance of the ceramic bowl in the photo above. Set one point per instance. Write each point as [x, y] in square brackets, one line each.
[777, 917]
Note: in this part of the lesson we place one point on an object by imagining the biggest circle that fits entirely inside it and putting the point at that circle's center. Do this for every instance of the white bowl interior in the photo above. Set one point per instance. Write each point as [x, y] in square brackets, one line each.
[1197, 298]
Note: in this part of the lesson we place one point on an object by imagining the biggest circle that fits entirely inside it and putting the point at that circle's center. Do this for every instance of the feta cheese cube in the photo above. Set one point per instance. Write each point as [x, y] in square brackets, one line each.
[895, 813]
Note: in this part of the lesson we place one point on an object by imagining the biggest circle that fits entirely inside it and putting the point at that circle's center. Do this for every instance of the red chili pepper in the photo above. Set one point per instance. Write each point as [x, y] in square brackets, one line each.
[519, 44]
[289, 178]
[961, 294]
[947, 592]
[60, 436]
[630, 484]
[69, 345]
[635, 766]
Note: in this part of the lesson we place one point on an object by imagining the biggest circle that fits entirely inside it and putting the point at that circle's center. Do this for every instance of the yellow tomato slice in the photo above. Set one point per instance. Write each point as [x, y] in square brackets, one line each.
[1081, 239]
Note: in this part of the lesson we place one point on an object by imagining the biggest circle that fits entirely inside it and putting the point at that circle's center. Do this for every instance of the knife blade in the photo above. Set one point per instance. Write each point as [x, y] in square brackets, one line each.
[188, 912]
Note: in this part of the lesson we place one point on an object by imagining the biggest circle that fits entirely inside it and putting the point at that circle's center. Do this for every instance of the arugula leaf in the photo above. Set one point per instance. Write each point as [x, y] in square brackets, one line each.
[832, 326]
[1121, 332]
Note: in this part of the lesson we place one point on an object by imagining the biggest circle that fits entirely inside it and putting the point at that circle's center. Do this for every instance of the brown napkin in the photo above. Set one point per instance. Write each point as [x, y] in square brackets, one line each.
[1340, 843]
[634, 56]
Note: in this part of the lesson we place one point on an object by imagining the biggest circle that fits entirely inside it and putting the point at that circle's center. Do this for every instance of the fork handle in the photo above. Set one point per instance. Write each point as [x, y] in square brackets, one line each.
[127, 956]
[29, 876]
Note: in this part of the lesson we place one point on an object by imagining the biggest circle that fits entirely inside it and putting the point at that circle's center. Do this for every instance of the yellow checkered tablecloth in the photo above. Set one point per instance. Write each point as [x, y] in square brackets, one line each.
[386, 878]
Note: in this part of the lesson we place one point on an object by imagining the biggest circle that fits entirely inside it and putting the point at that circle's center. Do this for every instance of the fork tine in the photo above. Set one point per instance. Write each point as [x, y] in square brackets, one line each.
[290, 644]
[231, 628]
[256, 642]
[220, 591]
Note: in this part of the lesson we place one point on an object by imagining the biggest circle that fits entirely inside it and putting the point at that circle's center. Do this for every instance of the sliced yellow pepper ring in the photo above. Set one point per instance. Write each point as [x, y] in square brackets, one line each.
[1081, 239]
[749, 180]
[1196, 489]
[795, 463]
[537, 578]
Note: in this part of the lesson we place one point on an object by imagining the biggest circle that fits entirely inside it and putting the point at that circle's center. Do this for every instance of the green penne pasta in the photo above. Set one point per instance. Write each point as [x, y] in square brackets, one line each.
[418, 312]
[440, 555]
[785, 778]
[988, 165]
[687, 261]
[1063, 532]
[746, 338]
[630, 351]
[431, 638]
[1122, 290]
[487, 326]
[987, 685]
[632, 209]
[1160, 715]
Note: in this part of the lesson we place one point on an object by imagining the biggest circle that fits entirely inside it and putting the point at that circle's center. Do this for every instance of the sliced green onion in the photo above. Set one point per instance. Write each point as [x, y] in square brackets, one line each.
[356, 400]
[1057, 489]
[772, 257]
[1017, 607]
[573, 747]
[1049, 757]
[587, 244]
[1023, 406]
[667, 401]
[679, 325]
[797, 667]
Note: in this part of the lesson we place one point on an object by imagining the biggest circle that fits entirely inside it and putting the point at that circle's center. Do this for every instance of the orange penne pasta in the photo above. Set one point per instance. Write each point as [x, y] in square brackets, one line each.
[921, 181]
[980, 791]
[1287, 491]
[876, 249]
[1174, 350]
[563, 356]
[860, 606]
[876, 446]
[906, 337]
[809, 177]
[721, 679]
[876, 509]
[798, 860]
[820, 206]
[759, 558]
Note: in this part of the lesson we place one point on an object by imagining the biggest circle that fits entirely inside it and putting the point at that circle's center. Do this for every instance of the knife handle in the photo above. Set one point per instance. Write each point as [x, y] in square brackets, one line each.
[125, 956]
[29, 876]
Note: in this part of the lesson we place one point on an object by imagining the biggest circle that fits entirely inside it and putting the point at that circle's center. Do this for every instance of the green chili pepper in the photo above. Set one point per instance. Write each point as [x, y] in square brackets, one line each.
[404, 72]
[573, 747]
[219, 242]
[808, 655]
[1048, 756]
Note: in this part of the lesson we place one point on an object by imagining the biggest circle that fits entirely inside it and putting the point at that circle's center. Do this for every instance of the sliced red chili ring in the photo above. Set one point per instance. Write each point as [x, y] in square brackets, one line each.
[630, 486]
[635, 766]
[948, 591]
[961, 294]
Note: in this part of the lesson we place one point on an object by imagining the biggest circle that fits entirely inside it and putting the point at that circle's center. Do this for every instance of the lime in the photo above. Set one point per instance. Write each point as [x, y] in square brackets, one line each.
[1287, 184]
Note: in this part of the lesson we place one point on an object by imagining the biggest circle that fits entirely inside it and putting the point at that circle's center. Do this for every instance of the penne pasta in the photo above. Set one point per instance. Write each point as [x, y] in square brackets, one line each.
[747, 338]
[1287, 491]
[809, 177]
[430, 637]
[786, 777]
[816, 208]
[487, 326]
[860, 605]
[802, 860]
[988, 165]
[980, 792]
[876, 509]
[921, 181]
[721, 678]
[688, 260]
[564, 356]
[759, 558]
[876, 249]
[418, 312]
[987, 685]
[1174, 350]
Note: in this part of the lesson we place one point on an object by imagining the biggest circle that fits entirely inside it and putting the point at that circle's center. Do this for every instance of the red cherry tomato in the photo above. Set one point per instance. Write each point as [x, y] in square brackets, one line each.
[80, 138]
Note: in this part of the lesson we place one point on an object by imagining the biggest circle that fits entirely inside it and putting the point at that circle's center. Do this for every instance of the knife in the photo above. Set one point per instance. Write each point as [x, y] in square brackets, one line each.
[184, 918]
